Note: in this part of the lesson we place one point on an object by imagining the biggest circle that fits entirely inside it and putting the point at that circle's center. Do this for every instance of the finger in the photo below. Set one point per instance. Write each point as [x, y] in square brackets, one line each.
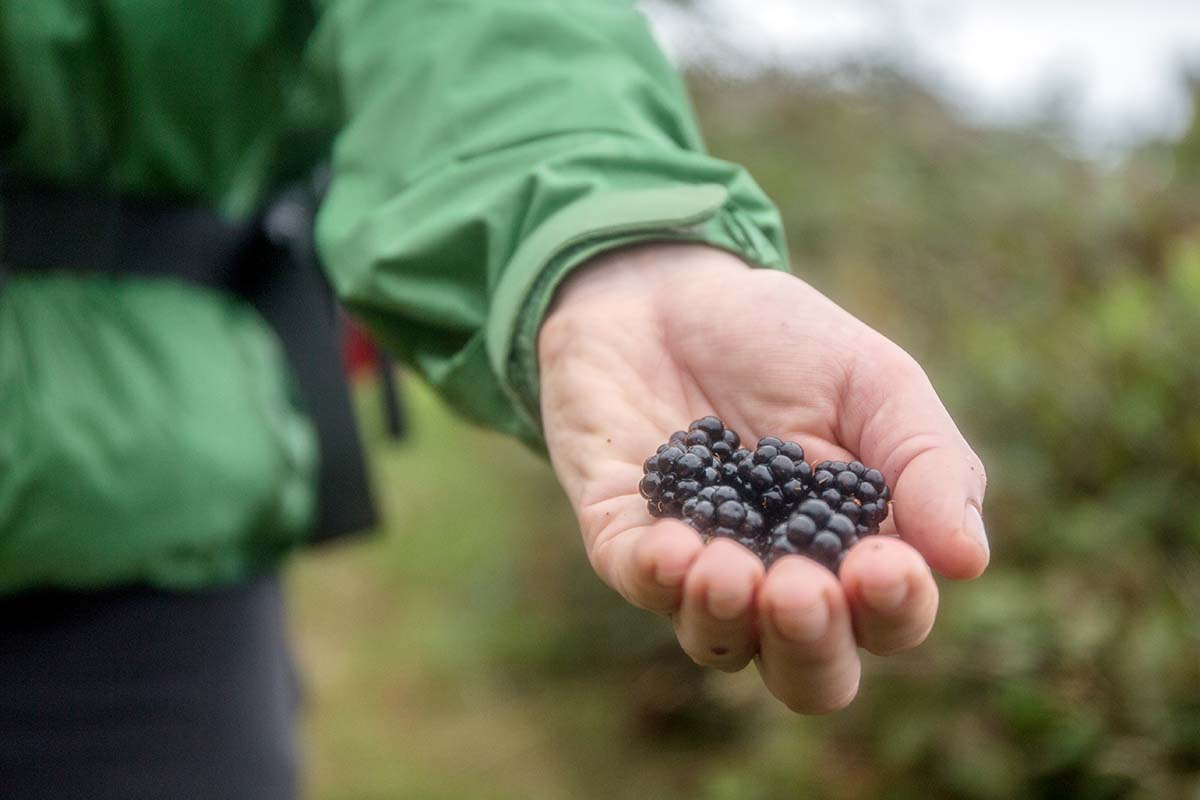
[647, 565]
[715, 625]
[937, 481]
[808, 657]
[892, 595]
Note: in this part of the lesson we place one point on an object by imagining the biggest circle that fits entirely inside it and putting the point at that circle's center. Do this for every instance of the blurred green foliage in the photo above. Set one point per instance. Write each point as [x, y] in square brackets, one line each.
[470, 653]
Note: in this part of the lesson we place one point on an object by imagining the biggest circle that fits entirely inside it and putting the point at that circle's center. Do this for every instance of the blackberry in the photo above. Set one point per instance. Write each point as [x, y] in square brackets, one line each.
[775, 475]
[683, 466]
[767, 498]
[855, 490]
[746, 534]
[814, 530]
[732, 519]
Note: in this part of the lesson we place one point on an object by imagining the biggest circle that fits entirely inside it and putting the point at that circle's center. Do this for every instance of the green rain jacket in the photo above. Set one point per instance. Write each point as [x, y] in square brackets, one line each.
[481, 149]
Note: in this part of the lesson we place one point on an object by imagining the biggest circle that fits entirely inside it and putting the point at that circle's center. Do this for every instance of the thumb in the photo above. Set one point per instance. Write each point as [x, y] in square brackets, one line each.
[896, 420]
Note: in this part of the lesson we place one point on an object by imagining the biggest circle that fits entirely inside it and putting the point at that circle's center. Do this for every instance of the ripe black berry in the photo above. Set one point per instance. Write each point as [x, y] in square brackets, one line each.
[772, 478]
[844, 484]
[677, 472]
[769, 499]
[814, 530]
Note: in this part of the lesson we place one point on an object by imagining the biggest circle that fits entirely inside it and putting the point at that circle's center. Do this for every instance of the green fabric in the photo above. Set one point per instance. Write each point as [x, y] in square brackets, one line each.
[481, 150]
[484, 139]
[586, 229]
[199, 99]
[121, 458]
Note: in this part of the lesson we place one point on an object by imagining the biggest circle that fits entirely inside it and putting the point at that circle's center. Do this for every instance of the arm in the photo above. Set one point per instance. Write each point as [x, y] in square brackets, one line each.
[493, 147]
[646, 339]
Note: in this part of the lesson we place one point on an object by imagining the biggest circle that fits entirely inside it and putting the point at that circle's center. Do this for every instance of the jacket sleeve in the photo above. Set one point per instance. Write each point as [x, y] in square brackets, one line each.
[488, 147]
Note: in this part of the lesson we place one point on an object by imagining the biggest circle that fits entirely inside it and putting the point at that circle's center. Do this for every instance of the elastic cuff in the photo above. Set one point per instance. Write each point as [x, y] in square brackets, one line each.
[693, 213]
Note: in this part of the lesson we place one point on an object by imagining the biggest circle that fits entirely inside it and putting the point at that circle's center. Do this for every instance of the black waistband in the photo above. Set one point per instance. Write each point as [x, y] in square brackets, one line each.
[46, 227]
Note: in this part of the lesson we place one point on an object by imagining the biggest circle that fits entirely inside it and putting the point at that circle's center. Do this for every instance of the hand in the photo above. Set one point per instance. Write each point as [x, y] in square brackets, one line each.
[644, 340]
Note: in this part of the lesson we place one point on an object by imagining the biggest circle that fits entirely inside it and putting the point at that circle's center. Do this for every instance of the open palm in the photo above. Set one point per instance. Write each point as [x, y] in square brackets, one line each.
[645, 340]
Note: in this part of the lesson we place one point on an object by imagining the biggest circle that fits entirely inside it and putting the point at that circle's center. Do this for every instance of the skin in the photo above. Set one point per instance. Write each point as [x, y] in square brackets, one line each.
[643, 340]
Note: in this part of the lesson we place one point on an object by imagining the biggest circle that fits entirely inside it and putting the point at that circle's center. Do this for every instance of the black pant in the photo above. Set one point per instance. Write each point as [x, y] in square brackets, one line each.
[137, 693]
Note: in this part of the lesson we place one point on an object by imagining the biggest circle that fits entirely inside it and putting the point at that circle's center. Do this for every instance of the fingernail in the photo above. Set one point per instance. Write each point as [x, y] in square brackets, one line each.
[726, 606]
[803, 625]
[973, 528]
[886, 597]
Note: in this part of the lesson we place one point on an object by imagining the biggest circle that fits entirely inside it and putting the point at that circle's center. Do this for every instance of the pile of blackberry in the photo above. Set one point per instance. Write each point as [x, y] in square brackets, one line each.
[769, 499]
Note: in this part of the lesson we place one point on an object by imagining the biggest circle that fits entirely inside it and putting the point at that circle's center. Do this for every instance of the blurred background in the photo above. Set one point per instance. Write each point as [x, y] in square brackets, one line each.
[1012, 192]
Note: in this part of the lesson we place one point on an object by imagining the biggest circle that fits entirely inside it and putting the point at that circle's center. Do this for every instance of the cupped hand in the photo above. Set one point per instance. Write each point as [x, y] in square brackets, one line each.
[643, 340]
